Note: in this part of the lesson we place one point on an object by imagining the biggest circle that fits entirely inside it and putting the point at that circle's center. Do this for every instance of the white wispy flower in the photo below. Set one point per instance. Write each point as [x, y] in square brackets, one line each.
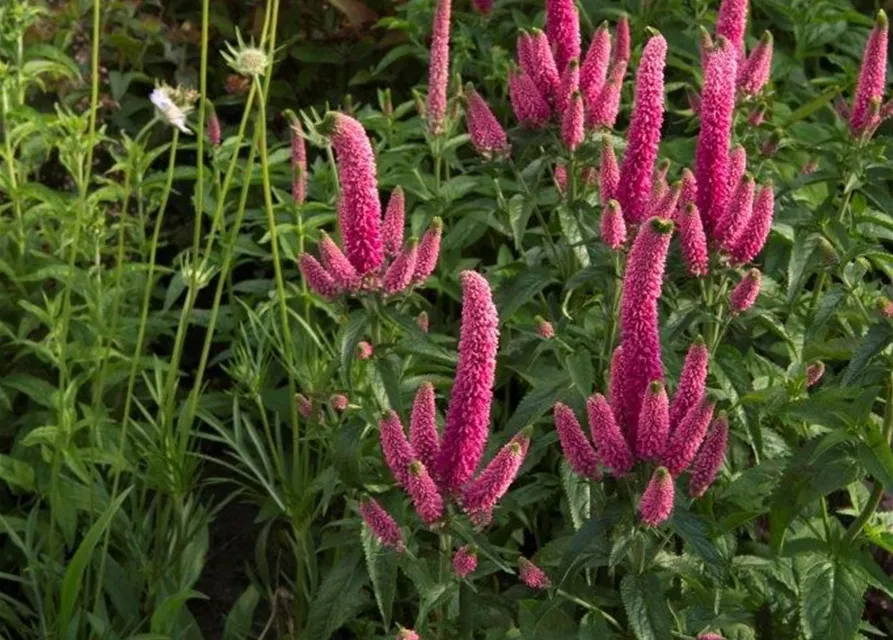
[163, 99]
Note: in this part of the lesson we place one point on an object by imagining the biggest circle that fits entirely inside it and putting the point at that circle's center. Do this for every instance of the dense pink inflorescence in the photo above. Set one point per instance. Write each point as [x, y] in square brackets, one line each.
[613, 228]
[468, 416]
[381, 524]
[438, 67]
[559, 174]
[621, 52]
[465, 561]
[544, 72]
[692, 382]
[665, 206]
[609, 174]
[594, 71]
[644, 131]
[487, 135]
[532, 575]
[364, 350]
[407, 634]
[612, 448]
[656, 504]
[481, 495]
[654, 423]
[214, 131]
[693, 241]
[753, 235]
[529, 106]
[731, 22]
[710, 457]
[688, 194]
[337, 264]
[424, 494]
[602, 112]
[398, 453]
[577, 451]
[745, 293]
[316, 276]
[712, 153]
[563, 30]
[393, 223]
[572, 123]
[569, 85]
[423, 426]
[686, 438]
[400, 274]
[298, 163]
[814, 372]
[872, 79]
[359, 210]
[639, 330]
[737, 214]
[429, 251]
[754, 73]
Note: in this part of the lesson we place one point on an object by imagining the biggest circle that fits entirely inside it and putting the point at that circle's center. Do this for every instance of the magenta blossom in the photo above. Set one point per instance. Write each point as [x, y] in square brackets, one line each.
[694, 242]
[298, 162]
[594, 71]
[563, 30]
[423, 426]
[317, 278]
[544, 72]
[424, 494]
[692, 382]
[398, 453]
[601, 113]
[428, 252]
[569, 85]
[484, 7]
[745, 293]
[438, 67]
[752, 236]
[532, 575]
[305, 405]
[530, 107]
[572, 123]
[612, 448]
[621, 52]
[737, 215]
[656, 504]
[214, 131]
[654, 423]
[394, 221]
[364, 350]
[465, 561]
[864, 115]
[710, 457]
[544, 328]
[686, 438]
[609, 174]
[731, 22]
[754, 73]
[577, 451]
[400, 274]
[487, 135]
[380, 523]
[480, 496]
[613, 228]
[407, 634]
[337, 264]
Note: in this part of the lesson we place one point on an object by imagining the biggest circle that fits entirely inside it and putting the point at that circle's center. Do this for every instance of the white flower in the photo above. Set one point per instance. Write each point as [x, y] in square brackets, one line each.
[176, 116]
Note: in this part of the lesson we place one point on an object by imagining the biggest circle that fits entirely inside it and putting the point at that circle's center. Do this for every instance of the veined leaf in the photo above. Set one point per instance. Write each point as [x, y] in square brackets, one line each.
[646, 606]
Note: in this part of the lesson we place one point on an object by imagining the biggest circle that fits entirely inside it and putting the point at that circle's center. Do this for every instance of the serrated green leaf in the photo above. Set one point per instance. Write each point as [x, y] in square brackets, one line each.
[350, 337]
[574, 236]
[830, 598]
[338, 598]
[581, 370]
[875, 340]
[239, 620]
[646, 606]
[382, 566]
[577, 491]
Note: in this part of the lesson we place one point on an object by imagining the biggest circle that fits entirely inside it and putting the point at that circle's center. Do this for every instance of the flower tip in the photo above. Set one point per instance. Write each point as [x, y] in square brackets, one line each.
[662, 225]
[437, 222]
[661, 474]
[656, 386]
[653, 32]
[767, 37]
[699, 341]
[328, 124]
[881, 19]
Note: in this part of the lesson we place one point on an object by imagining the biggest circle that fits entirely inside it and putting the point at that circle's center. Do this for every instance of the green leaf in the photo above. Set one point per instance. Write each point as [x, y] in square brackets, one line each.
[238, 625]
[16, 473]
[577, 490]
[40, 391]
[338, 599]
[875, 340]
[579, 366]
[694, 532]
[536, 402]
[350, 338]
[382, 566]
[830, 598]
[512, 295]
[573, 235]
[519, 213]
[874, 452]
[646, 606]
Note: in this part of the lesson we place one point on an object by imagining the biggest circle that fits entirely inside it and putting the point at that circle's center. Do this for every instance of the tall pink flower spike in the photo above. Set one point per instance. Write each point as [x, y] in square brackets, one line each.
[644, 131]
[439, 67]
[654, 423]
[737, 215]
[692, 382]
[577, 451]
[317, 278]
[380, 523]
[572, 123]
[693, 241]
[612, 448]
[731, 22]
[545, 72]
[602, 114]
[359, 209]
[712, 153]
[752, 237]
[656, 504]
[609, 174]
[687, 437]
[423, 434]
[613, 228]
[745, 292]
[639, 330]
[399, 275]
[398, 453]
[393, 223]
[594, 71]
[754, 73]
[563, 30]
[429, 251]
[872, 79]
[480, 496]
[424, 494]
[710, 457]
[569, 85]
[532, 575]
[468, 416]
[465, 561]
[298, 161]
[529, 106]
[621, 52]
[487, 135]
[337, 264]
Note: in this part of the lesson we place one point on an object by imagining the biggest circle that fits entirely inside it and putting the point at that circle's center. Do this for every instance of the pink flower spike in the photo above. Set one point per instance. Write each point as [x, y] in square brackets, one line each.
[400, 274]
[872, 79]
[594, 71]
[317, 278]
[612, 448]
[487, 135]
[572, 123]
[731, 22]
[423, 434]
[609, 174]
[364, 350]
[337, 264]
[737, 215]
[429, 251]
[613, 227]
[814, 372]
[526, 51]
[398, 453]
[532, 575]
[298, 162]
[745, 293]
[438, 67]
[754, 73]
[621, 52]
[639, 330]
[570, 84]
[577, 450]
[394, 221]
[753, 236]
[688, 194]
[710, 457]
[424, 494]
[484, 7]
[737, 167]
[665, 207]
[559, 175]
[656, 504]
[712, 153]
[602, 113]
[692, 382]
[359, 210]
[544, 328]
[468, 416]
[615, 389]
[530, 107]
[563, 30]
[545, 73]
[465, 561]
[659, 184]
[644, 132]
[654, 423]
[693, 241]
[481, 495]
[686, 439]
[339, 402]
[380, 523]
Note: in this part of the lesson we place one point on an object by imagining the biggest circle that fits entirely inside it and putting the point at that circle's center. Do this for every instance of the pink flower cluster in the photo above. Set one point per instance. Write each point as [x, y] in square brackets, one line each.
[867, 112]
[375, 256]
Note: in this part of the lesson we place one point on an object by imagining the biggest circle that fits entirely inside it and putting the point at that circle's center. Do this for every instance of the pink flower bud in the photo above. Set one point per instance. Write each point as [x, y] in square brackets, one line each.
[692, 382]
[577, 450]
[757, 116]
[731, 22]
[407, 634]
[613, 227]
[544, 71]
[423, 434]
[753, 236]
[872, 79]
[601, 113]
[594, 71]
[337, 264]
[398, 453]
[572, 123]
[394, 221]
[465, 561]
[298, 163]
[424, 494]
[745, 293]
[481, 495]
[659, 185]
[468, 416]
[428, 252]
[612, 448]
[364, 350]
[710, 636]
[380, 523]
[644, 132]
[654, 423]
[609, 175]
[885, 306]
[532, 575]
[569, 84]
[665, 206]
[563, 30]
[530, 107]
[754, 73]
[621, 52]
[559, 175]
[339, 402]
[305, 405]
[694, 242]
[214, 132]
[737, 167]
[687, 437]
[814, 372]
[317, 278]
[656, 504]
[400, 274]
[710, 457]
[737, 215]
[544, 328]
[438, 67]
[688, 194]
[422, 321]
[487, 135]
[526, 51]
